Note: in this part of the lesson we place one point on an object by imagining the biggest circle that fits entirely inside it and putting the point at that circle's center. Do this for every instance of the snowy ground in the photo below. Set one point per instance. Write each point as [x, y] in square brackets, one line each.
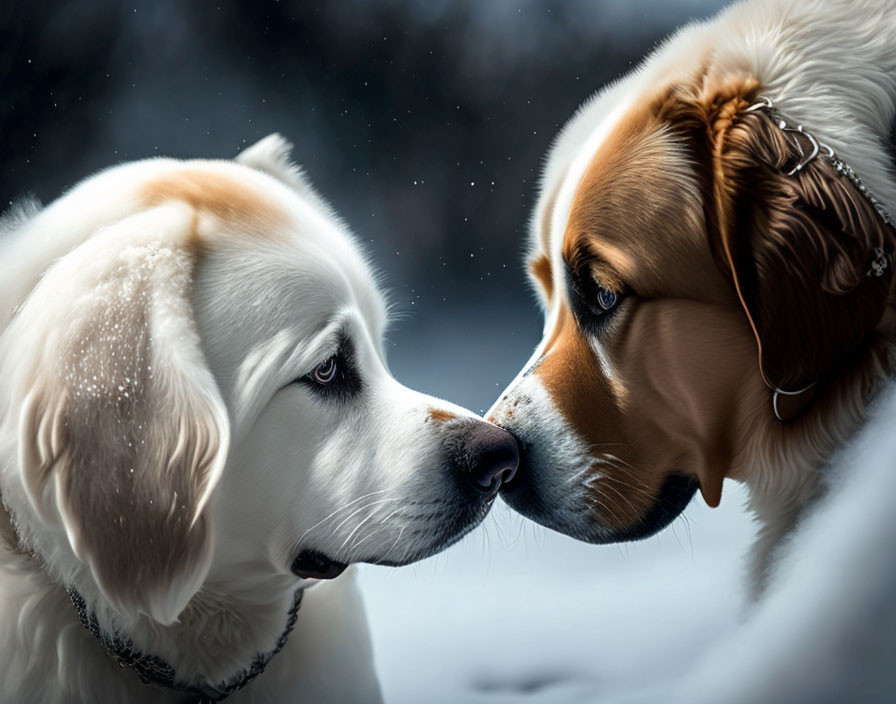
[516, 613]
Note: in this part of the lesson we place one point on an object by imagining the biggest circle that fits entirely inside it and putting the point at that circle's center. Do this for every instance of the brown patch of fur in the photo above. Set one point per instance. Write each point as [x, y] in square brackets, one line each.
[674, 401]
[582, 394]
[207, 191]
[540, 267]
[797, 247]
[636, 219]
[438, 415]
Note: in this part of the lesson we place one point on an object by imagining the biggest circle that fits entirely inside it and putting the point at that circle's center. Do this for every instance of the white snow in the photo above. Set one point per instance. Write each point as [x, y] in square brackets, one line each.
[518, 613]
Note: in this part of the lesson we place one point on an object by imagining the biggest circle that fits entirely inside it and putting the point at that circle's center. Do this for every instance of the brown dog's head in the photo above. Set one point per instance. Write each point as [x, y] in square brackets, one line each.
[683, 274]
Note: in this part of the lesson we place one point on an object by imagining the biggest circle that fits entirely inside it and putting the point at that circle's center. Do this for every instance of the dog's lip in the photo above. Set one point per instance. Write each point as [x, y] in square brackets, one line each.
[524, 495]
[313, 564]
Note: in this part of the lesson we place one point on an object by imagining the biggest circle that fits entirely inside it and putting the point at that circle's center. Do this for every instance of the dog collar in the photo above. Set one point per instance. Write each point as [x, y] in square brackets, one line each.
[154, 671]
[819, 148]
[151, 669]
[788, 404]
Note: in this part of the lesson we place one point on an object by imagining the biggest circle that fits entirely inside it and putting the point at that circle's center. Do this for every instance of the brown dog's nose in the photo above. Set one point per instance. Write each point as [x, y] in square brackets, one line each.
[492, 456]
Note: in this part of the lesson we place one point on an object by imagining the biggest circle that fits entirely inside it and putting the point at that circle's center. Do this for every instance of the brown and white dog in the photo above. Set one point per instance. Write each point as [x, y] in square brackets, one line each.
[717, 287]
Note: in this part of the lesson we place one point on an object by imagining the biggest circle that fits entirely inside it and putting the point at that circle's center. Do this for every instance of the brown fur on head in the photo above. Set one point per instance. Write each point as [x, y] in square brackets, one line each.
[688, 207]
[798, 247]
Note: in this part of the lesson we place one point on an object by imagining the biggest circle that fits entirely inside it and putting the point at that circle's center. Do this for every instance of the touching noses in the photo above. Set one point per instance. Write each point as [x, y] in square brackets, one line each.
[491, 456]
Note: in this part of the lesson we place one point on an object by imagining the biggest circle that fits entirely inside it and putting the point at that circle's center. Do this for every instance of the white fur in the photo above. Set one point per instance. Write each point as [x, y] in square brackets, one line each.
[277, 469]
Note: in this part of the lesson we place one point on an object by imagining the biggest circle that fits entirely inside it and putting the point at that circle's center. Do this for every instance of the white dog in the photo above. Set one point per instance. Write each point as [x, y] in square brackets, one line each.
[196, 424]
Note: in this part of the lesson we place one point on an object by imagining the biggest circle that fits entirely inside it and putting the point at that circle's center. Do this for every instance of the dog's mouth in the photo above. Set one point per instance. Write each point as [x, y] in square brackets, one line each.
[441, 530]
[523, 495]
[675, 494]
[311, 564]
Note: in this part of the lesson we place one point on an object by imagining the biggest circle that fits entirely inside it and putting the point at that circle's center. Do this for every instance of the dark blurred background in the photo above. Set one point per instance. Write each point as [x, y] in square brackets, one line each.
[423, 121]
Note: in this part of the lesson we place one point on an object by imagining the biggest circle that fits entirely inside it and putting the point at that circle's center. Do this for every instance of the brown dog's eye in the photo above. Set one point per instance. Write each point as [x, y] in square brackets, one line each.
[593, 304]
[326, 372]
[606, 299]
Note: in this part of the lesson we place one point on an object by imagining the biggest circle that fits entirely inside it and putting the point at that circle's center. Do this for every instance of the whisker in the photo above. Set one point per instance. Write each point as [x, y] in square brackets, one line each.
[638, 487]
[358, 510]
[621, 496]
[341, 508]
[605, 508]
[375, 528]
[395, 542]
[501, 536]
[361, 524]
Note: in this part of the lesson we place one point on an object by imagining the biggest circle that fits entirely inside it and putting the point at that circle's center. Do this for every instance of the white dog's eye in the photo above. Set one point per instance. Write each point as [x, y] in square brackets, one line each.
[336, 379]
[326, 372]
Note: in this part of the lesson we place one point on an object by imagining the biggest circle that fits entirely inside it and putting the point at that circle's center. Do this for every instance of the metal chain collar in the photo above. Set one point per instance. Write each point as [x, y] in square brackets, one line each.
[880, 261]
[765, 104]
[154, 671]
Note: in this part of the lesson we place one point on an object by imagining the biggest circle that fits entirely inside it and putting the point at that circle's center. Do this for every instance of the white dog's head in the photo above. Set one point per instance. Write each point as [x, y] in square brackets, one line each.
[196, 388]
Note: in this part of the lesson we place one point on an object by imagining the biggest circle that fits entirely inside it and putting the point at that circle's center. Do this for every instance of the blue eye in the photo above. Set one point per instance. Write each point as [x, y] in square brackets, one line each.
[606, 298]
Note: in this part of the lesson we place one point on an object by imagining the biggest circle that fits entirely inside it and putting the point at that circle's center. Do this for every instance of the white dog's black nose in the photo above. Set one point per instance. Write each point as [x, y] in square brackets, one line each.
[491, 455]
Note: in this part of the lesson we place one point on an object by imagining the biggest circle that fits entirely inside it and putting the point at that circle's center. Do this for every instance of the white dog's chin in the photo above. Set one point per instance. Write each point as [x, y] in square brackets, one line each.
[196, 396]
[427, 533]
[430, 537]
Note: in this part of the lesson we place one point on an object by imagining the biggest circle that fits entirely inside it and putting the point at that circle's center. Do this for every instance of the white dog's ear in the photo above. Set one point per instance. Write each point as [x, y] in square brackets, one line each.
[123, 433]
[273, 156]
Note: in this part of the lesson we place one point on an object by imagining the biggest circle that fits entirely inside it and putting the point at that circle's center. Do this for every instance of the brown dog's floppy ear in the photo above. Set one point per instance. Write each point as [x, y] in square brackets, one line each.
[123, 434]
[803, 246]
